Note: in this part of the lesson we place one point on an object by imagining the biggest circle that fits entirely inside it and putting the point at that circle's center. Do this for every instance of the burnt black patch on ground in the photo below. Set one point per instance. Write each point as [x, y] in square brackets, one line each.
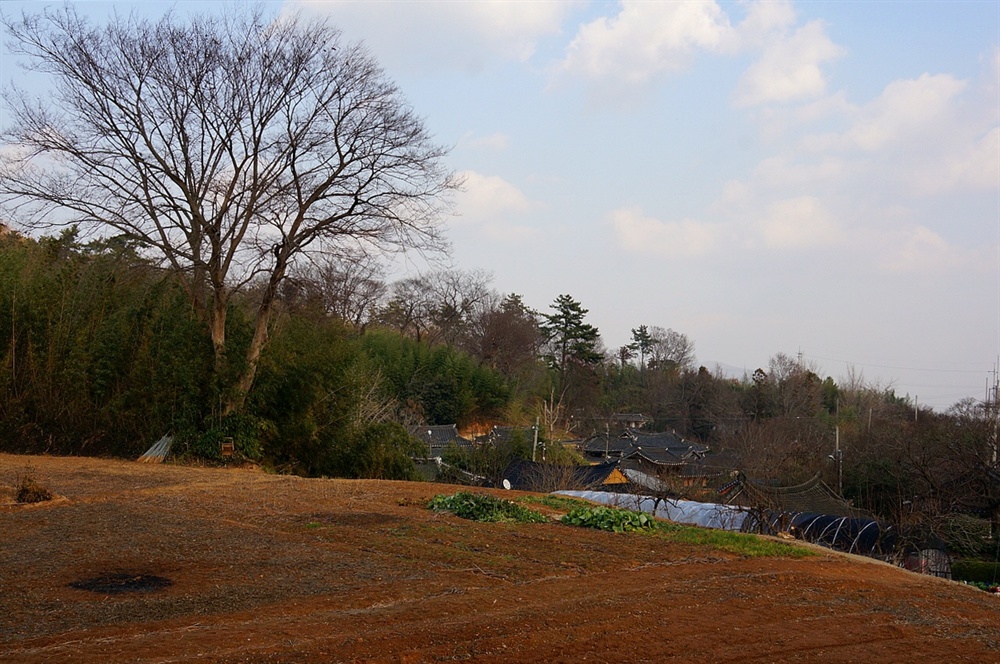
[123, 582]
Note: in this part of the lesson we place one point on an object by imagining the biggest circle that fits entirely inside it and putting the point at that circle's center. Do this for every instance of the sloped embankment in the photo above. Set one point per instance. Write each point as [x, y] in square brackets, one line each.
[250, 567]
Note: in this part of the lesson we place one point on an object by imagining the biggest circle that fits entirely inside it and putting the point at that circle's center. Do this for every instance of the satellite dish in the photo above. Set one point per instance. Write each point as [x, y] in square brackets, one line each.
[506, 484]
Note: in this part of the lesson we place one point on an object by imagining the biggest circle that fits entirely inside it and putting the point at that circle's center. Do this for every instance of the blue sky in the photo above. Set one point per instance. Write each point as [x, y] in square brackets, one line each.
[814, 177]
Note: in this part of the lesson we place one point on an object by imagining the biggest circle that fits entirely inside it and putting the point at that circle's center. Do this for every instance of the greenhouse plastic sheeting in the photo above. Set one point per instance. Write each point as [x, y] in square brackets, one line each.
[710, 515]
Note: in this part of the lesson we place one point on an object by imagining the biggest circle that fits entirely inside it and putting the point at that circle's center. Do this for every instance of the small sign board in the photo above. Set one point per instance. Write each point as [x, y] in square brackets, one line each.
[228, 448]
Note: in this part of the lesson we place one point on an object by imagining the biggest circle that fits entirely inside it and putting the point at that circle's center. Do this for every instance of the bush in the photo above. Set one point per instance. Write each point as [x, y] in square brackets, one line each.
[246, 432]
[979, 571]
[381, 451]
[611, 519]
[30, 491]
[484, 507]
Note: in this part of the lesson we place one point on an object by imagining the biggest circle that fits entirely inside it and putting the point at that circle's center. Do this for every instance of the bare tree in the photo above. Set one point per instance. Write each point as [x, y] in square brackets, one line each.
[408, 308]
[456, 295]
[229, 145]
[668, 348]
[437, 307]
[350, 289]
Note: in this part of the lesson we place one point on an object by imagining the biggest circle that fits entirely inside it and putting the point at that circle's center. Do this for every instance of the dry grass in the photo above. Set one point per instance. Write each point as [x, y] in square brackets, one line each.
[259, 567]
[29, 490]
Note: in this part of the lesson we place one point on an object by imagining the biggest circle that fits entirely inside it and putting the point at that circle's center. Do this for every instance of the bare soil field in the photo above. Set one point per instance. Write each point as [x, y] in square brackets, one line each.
[166, 563]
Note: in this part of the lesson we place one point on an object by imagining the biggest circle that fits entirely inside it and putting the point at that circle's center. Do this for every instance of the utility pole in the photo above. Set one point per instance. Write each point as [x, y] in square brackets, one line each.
[994, 406]
[534, 446]
[839, 455]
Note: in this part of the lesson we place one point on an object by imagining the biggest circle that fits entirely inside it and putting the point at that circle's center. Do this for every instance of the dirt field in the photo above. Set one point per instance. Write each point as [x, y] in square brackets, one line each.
[264, 568]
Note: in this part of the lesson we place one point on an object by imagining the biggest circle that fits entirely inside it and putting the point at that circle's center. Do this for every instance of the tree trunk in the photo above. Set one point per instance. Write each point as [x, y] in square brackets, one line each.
[261, 331]
[217, 324]
[260, 334]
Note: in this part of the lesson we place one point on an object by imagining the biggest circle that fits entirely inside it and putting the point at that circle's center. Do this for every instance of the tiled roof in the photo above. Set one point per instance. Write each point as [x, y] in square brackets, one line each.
[438, 437]
[631, 439]
[659, 456]
[531, 476]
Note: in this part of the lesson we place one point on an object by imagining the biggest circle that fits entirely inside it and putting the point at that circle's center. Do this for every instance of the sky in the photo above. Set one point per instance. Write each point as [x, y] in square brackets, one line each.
[808, 178]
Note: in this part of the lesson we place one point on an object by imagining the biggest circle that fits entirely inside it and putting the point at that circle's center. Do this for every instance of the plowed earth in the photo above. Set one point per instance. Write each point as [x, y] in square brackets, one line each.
[266, 568]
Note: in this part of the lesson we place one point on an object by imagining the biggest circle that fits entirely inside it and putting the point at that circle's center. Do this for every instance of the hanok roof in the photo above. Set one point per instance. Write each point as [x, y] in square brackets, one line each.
[612, 446]
[527, 475]
[658, 461]
[668, 440]
[438, 437]
[658, 456]
[632, 439]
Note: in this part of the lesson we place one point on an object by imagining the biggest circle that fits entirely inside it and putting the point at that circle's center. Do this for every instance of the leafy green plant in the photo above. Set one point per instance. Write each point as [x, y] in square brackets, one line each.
[979, 571]
[987, 587]
[244, 431]
[610, 518]
[484, 507]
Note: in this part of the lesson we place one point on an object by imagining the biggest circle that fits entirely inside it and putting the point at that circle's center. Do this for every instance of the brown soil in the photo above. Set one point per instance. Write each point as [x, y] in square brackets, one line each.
[266, 568]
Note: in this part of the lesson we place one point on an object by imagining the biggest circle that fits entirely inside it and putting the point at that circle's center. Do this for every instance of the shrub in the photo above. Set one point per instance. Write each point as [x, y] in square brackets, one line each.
[484, 507]
[30, 491]
[979, 571]
[246, 432]
[610, 518]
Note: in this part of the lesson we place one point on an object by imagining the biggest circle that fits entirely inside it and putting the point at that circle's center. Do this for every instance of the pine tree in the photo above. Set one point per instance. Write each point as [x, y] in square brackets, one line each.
[569, 338]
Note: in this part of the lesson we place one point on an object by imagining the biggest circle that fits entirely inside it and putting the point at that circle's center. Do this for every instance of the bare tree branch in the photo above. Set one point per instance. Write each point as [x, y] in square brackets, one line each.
[228, 145]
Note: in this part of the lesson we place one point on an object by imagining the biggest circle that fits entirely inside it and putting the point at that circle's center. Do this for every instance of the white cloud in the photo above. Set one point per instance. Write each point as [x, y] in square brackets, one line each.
[495, 207]
[784, 171]
[639, 233]
[736, 196]
[490, 197]
[921, 250]
[763, 20]
[919, 139]
[789, 69]
[979, 166]
[799, 223]
[444, 35]
[510, 233]
[932, 135]
[904, 111]
[644, 40]
[496, 141]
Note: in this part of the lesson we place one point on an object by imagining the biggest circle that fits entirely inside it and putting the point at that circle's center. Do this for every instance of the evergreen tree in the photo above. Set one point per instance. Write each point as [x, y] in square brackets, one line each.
[569, 338]
[642, 341]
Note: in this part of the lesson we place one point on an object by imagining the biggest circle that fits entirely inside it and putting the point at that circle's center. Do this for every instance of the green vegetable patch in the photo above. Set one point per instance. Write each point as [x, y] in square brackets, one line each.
[484, 507]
